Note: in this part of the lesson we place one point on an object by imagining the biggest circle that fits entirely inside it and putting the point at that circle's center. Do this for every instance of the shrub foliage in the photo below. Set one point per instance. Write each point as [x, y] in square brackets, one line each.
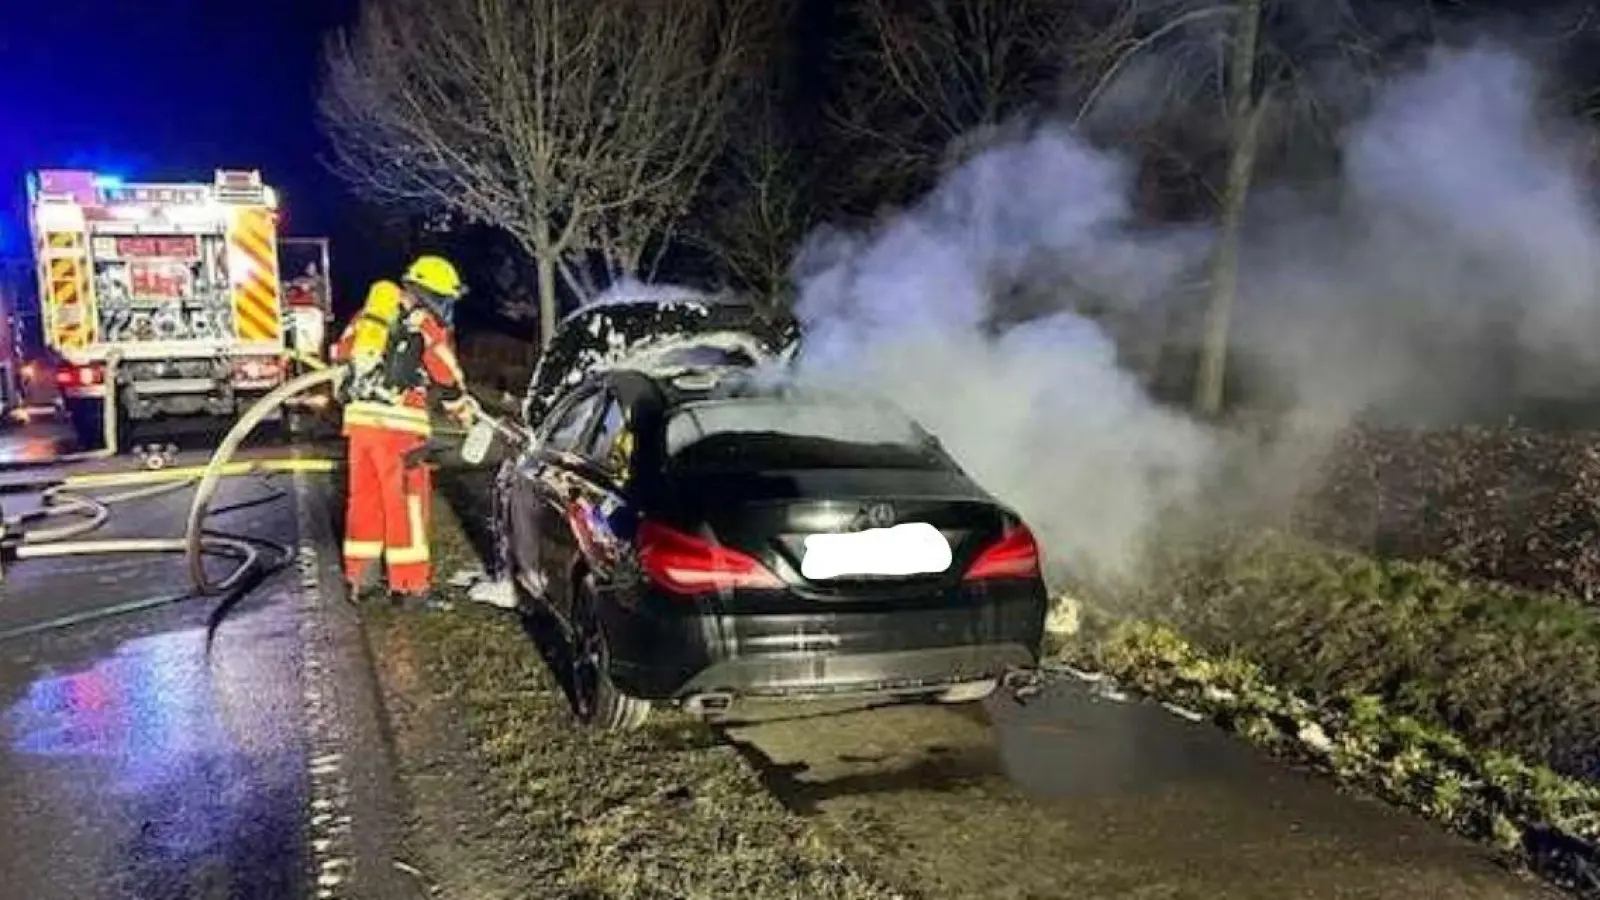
[1510, 504]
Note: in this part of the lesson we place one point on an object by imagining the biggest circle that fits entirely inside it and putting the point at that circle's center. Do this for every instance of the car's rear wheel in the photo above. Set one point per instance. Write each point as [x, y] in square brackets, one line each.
[596, 700]
[968, 692]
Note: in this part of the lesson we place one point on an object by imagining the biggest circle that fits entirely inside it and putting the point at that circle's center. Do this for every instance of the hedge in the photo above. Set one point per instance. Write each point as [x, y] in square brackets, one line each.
[1510, 504]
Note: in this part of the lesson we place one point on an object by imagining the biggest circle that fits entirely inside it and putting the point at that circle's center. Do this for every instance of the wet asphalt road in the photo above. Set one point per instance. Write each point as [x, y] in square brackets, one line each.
[142, 760]
[34, 444]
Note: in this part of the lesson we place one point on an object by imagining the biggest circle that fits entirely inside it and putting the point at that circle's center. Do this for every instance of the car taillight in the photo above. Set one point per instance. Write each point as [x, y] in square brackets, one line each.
[79, 376]
[1014, 555]
[686, 564]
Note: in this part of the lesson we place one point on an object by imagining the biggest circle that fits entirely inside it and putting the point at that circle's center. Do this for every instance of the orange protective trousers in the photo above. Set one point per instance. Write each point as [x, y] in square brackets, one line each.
[387, 510]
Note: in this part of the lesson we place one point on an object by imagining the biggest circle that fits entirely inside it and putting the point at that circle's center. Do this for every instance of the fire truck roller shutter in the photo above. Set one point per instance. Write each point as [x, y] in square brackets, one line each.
[253, 272]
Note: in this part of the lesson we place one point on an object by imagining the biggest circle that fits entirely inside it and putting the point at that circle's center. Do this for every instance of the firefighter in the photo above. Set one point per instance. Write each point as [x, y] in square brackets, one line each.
[400, 351]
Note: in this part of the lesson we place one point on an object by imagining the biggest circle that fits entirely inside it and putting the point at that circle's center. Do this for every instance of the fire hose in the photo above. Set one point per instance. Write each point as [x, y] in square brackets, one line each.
[89, 512]
[197, 543]
[195, 536]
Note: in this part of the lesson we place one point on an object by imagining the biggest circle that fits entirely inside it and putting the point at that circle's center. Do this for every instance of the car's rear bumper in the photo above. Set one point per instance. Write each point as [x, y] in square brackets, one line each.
[661, 652]
[898, 672]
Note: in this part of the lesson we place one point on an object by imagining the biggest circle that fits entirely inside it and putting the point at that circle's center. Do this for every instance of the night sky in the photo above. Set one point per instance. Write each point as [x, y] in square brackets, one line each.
[167, 89]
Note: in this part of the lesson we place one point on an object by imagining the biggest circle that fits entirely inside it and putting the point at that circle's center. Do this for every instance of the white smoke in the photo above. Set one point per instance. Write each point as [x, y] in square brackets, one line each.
[1460, 218]
[1459, 263]
[1040, 413]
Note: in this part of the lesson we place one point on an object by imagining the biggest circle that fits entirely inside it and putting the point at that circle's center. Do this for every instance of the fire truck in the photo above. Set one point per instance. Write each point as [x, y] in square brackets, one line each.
[173, 287]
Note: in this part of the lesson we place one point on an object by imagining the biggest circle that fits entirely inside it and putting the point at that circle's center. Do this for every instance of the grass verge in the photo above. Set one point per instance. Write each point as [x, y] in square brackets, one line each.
[666, 812]
[1471, 703]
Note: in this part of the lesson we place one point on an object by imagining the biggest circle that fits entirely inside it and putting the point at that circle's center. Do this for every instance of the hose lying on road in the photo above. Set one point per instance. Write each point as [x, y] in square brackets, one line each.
[91, 512]
[197, 542]
[194, 535]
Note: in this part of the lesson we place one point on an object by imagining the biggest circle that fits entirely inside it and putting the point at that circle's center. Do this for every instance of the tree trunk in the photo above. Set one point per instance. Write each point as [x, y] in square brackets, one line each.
[549, 309]
[1244, 114]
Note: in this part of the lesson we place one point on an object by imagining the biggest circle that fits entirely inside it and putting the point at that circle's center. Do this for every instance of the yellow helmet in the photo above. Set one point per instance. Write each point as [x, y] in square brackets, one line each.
[436, 275]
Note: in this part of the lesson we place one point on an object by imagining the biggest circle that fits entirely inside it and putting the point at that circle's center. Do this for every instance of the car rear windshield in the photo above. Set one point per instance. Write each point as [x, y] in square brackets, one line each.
[765, 433]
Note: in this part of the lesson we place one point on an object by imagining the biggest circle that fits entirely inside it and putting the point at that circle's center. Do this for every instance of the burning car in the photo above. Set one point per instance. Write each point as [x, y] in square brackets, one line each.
[704, 532]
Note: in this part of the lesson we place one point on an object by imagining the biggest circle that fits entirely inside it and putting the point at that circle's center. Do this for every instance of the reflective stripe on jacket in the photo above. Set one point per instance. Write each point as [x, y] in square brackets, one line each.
[391, 416]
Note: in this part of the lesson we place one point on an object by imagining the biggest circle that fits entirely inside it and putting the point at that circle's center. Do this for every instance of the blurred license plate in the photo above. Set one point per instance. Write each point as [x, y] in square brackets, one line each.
[915, 548]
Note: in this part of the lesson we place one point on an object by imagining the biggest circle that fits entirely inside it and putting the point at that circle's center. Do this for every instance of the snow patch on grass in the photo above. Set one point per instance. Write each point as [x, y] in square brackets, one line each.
[1529, 813]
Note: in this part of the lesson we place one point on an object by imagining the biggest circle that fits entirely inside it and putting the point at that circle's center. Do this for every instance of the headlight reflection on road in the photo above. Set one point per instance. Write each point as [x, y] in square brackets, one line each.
[67, 715]
[28, 448]
[127, 708]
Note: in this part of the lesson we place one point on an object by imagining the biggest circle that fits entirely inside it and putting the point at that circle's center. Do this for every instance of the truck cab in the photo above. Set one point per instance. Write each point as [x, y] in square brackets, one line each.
[159, 299]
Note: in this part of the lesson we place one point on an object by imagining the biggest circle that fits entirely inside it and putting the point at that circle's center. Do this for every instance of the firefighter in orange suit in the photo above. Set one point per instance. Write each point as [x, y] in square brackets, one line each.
[400, 349]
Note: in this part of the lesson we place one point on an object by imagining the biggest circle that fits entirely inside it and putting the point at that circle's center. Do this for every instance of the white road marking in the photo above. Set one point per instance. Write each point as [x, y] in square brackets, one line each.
[330, 825]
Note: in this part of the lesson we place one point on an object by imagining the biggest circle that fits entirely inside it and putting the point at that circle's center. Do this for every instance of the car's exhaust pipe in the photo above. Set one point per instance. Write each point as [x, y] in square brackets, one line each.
[710, 703]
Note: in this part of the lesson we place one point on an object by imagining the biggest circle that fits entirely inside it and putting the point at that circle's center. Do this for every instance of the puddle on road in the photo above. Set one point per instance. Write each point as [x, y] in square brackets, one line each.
[1070, 741]
[34, 444]
[159, 771]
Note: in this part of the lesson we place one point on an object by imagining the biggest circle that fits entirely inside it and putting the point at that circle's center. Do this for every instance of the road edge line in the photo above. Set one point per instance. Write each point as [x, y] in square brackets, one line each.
[354, 820]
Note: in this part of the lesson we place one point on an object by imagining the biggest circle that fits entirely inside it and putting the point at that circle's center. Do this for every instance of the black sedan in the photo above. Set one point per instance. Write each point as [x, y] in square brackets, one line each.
[703, 535]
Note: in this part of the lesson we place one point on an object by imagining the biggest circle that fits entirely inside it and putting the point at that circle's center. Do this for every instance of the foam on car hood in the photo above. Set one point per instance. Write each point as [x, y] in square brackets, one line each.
[652, 335]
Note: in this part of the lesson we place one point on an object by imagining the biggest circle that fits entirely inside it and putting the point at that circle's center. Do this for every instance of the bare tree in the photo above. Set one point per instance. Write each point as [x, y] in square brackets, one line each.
[1244, 117]
[582, 129]
[921, 77]
[762, 210]
[1224, 87]
[758, 204]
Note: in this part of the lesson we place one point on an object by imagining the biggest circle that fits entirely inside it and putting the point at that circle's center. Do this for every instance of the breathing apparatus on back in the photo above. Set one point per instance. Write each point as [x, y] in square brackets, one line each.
[432, 283]
[369, 341]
